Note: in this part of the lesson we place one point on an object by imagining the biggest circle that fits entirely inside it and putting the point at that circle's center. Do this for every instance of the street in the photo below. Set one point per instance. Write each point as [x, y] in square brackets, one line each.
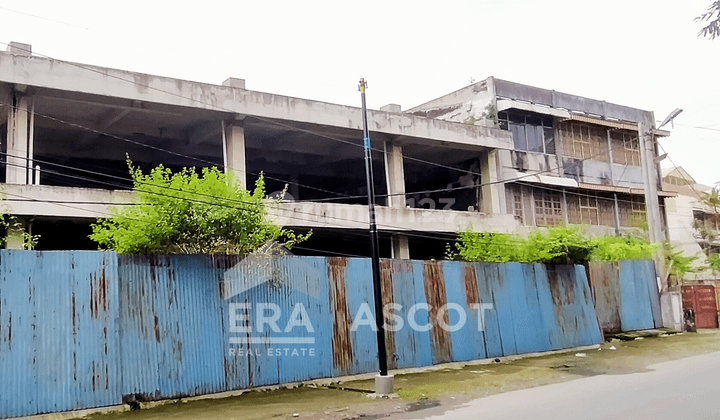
[681, 389]
[654, 378]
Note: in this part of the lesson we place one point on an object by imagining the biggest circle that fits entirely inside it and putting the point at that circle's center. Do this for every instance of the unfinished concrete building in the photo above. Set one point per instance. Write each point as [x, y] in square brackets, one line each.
[493, 156]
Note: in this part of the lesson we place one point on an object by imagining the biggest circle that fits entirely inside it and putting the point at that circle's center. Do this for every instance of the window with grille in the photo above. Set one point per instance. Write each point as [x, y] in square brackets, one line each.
[626, 148]
[515, 202]
[589, 213]
[548, 208]
[582, 141]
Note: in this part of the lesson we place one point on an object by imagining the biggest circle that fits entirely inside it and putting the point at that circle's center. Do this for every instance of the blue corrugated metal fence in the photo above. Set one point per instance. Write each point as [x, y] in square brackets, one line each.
[89, 329]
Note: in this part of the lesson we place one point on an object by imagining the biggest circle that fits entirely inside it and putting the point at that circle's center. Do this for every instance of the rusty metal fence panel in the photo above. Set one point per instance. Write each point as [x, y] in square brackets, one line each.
[59, 339]
[169, 326]
[626, 295]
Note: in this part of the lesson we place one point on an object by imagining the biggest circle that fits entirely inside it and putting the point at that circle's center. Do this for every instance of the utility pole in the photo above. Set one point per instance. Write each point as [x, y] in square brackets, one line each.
[669, 300]
[383, 381]
[649, 171]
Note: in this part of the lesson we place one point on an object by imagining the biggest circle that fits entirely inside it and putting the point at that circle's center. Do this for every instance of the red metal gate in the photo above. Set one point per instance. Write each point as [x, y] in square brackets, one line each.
[701, 299]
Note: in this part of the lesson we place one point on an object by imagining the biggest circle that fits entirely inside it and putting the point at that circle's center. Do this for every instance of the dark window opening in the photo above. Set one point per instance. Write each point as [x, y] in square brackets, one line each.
[530, 133]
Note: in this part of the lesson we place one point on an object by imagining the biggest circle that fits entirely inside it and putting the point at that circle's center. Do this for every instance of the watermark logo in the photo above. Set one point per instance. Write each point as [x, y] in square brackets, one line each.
[268, 313]
[263, 328]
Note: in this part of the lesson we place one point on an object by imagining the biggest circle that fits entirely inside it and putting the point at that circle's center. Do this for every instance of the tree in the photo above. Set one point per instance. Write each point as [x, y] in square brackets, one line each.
[712, 200]
[712, 30]
[190, 213]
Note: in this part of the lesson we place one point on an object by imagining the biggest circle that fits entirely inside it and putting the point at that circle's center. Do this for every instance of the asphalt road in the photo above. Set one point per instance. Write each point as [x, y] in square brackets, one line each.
[681, 389]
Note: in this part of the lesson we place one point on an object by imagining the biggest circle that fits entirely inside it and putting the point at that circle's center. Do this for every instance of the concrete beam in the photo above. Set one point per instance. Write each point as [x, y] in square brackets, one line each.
[59, 75]
[89, 203]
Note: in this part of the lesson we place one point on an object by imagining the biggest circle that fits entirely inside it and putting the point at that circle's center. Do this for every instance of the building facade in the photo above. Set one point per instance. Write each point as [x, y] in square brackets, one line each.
[494, 156]
[574, 160]
[693, 225]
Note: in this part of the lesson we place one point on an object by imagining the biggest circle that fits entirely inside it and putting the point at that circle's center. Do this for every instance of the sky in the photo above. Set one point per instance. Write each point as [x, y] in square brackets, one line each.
[639, 53]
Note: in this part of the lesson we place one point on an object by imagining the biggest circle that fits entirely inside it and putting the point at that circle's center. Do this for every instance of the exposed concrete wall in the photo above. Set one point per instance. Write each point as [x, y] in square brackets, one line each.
[468, 105]
[60, 75]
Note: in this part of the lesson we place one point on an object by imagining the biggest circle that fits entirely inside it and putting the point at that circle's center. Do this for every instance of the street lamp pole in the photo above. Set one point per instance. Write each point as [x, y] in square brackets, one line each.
[383, 381]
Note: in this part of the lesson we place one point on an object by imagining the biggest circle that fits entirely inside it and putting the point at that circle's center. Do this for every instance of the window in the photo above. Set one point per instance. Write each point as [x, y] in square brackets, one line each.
[548, 208]
[589, 210]
[632, 211]
[583, 141]
[626, 148]
[532, 134]
[515, 201]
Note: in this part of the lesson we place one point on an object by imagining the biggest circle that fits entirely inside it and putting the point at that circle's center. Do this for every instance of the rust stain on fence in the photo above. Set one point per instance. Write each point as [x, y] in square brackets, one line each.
[436, 299]
[471, 285]
[341, 344]
[388, 298]
[562, 288]
[98, 294]
[74, 314]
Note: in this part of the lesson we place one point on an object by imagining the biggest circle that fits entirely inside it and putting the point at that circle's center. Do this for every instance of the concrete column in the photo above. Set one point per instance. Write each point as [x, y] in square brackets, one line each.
[14, 239]
[400, 248]
[395, 174]
[234, 151]
[493, 191]
[18, 143]
[395, 178]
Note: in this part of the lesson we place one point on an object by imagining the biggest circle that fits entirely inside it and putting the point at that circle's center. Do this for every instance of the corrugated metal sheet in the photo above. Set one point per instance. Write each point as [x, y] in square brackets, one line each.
[59, 339]
[86, 329]
[626, 295]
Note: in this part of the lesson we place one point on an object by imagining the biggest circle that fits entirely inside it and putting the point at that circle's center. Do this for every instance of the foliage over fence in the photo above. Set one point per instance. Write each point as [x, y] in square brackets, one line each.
[558, 245]
[191, 212]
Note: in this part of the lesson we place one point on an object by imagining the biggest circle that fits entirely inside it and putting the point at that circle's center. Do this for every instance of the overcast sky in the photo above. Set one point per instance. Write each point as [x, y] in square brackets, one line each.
[644, 54]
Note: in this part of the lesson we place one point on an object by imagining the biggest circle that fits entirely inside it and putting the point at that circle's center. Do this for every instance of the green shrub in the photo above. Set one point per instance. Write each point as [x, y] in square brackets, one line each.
[557, 245]
[617, 248]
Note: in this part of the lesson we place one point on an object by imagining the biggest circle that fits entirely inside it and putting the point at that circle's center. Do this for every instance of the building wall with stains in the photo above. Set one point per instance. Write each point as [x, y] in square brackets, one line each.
[89, 329]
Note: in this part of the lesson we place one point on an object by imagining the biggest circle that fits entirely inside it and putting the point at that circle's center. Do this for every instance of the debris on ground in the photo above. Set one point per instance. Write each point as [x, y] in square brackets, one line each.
[580, 354]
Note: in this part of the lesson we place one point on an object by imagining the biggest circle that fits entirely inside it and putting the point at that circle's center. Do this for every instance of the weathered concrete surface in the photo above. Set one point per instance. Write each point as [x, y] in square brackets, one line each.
[73, 77]
[27, 200]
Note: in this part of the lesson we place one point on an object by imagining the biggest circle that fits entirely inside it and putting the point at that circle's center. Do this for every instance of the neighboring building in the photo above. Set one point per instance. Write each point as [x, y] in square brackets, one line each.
[575, 160]
[685, 214]
[526, 156]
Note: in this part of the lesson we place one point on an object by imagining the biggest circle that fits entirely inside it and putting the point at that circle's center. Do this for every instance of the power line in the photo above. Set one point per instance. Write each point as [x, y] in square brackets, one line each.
[218, 108]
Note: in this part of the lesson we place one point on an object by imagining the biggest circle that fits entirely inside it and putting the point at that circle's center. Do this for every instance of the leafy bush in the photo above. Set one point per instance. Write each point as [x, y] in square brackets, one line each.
[558, 245]
[617, 248]
[189, 212]
[678, 264]
[487, 247]
[713, 261]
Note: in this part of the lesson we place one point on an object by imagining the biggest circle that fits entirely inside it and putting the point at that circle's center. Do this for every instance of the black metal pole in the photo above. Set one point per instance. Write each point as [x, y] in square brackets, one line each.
[379, 318]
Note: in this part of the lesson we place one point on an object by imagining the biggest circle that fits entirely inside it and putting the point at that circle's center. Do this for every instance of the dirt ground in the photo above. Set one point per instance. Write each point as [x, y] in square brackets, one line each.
[445, 386]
